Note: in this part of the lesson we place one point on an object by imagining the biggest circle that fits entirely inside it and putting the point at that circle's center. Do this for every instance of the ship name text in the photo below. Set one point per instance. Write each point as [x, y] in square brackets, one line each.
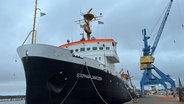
[81, 75]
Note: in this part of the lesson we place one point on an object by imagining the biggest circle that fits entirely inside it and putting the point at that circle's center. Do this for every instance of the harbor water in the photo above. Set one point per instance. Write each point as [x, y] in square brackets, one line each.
[13, 102]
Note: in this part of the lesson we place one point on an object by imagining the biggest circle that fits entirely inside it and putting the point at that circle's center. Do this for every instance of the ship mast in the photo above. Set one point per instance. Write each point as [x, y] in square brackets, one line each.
[33, 31]
[88, 17]
[34, 23]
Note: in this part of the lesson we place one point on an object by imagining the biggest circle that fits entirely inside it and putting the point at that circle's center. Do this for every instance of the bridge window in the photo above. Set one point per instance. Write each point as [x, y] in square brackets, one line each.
[76, 50]
[94, 48]
[99, 58]
[112, 44]
[88, 49]
[71, 51]
[107, 48]
[82, 49]
[100, 48]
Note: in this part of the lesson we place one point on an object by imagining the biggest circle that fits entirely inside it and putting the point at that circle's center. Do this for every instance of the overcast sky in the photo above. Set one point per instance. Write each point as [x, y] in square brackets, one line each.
[123, 21]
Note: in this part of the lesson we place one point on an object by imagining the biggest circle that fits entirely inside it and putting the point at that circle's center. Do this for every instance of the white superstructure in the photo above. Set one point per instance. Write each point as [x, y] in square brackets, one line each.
[101, 50]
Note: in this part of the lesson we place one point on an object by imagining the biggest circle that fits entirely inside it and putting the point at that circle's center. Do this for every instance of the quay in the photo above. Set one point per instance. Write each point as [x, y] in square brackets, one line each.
[156, 99]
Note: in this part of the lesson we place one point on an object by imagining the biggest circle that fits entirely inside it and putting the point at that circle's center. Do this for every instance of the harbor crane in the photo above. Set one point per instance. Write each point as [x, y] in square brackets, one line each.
[147, 60]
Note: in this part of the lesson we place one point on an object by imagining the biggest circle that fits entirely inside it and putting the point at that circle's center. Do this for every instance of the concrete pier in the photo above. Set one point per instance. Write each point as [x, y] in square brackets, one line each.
[156, 99]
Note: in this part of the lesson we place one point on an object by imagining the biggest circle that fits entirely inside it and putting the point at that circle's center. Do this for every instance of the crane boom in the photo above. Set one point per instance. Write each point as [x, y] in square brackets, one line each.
[161, 28]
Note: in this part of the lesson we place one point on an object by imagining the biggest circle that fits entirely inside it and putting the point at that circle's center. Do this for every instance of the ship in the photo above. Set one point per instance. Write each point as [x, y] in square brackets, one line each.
[78, 72]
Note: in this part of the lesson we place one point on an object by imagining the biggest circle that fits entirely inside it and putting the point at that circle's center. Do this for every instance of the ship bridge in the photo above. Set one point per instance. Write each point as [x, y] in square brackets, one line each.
[102, 50]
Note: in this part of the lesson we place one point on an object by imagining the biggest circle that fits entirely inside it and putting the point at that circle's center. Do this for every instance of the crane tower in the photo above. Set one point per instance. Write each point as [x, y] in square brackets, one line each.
[147, 60]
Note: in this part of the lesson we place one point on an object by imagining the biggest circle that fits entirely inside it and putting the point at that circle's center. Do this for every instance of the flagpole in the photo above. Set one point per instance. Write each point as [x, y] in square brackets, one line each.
[34, 23]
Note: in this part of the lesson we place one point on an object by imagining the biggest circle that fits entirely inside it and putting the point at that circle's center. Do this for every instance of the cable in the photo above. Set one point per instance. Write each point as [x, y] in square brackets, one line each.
[71, 88]
[95, 86]
[161, 16]
[134, 100]
[158, 20]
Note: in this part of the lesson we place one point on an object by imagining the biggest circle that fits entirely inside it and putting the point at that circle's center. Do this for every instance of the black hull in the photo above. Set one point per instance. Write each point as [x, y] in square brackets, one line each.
[52, 81]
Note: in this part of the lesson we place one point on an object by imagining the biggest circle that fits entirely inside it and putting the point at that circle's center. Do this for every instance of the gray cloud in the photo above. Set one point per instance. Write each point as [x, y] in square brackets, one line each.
[123, 22]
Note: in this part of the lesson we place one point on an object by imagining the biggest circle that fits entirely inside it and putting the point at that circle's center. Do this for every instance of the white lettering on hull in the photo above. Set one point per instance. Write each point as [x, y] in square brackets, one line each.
[81, 75]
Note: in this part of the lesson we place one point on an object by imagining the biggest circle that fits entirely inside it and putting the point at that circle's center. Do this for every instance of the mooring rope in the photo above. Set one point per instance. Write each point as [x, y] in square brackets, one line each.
[133, 100]
[71, 88]
[95, 86]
